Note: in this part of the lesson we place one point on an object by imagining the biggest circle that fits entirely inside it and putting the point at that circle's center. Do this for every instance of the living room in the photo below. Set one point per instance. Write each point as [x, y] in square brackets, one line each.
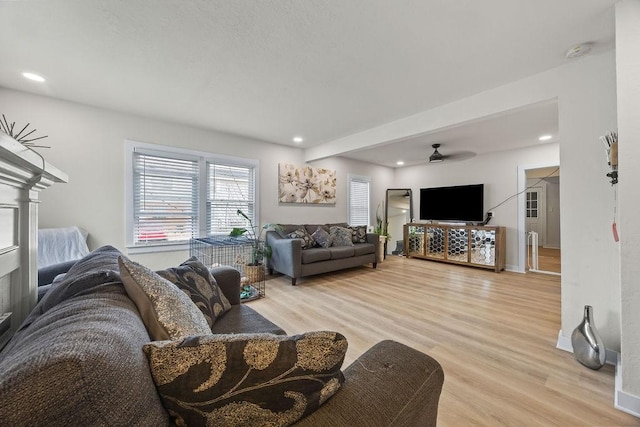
[593, 94]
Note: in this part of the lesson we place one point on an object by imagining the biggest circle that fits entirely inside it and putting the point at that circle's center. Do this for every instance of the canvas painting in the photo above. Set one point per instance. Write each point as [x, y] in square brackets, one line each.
[306, 185]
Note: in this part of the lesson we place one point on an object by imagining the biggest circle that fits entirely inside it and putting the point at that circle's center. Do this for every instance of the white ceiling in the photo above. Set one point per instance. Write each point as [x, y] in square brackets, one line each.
[322, 69]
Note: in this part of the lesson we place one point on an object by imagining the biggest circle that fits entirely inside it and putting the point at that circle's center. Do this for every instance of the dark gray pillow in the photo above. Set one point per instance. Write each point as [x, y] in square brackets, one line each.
[322, 238]
[341, 236]
[246, 379]
[195, 280]
[359, 234]
[301, 233]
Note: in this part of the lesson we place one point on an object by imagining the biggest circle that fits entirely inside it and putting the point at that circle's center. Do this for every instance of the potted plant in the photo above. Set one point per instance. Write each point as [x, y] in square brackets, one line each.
[254, 270]
[381, 230]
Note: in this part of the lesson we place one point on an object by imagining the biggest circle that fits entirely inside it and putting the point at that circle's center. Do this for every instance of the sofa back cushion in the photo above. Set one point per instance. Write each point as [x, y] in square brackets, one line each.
[78, 360]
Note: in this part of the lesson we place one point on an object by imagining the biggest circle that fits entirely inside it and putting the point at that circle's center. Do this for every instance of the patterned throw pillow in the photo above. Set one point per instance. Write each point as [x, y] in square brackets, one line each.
[301, 233]
[195, 280]
[165, 310]
[359, 234]
[340, 236]
[246, 379]
[321, 237]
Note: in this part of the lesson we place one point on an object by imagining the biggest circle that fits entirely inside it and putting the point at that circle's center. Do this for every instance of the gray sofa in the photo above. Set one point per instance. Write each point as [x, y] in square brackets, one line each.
[289, 258]
[78, 360]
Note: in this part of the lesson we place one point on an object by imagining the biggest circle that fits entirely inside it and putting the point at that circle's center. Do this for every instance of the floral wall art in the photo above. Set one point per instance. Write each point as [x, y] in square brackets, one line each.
[306, 185]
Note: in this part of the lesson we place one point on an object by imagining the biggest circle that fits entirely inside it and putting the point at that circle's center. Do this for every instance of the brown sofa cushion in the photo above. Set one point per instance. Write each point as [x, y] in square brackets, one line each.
[252, 379]
[242, 319]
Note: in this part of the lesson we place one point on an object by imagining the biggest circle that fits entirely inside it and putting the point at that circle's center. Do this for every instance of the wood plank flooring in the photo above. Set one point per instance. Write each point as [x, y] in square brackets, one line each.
[494, 334]
[548, 259]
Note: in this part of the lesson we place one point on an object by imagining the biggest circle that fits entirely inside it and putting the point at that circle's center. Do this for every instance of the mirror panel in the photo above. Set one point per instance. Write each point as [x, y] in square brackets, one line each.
[398, 212]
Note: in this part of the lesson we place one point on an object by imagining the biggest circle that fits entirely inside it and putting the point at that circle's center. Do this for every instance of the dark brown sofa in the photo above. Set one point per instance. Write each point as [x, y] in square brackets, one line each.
[78, 360]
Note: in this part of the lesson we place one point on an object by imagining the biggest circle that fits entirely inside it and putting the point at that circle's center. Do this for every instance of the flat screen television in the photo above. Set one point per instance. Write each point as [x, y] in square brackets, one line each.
[462, 203]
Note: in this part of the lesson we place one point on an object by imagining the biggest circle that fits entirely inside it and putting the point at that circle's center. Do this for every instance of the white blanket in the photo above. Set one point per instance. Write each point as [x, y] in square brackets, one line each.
[56, 245]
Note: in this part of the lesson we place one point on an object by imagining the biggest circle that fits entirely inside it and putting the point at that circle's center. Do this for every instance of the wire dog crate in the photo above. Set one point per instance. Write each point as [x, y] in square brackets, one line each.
[235, 252]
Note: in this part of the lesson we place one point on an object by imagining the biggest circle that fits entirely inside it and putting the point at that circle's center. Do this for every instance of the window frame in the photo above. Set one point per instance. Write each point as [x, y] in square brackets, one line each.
[359, 178]
[203, 159]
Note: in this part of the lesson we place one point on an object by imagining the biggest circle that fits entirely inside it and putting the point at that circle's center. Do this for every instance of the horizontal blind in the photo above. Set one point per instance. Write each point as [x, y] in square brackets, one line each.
[165, 199]
[358, 201]
[229, 188]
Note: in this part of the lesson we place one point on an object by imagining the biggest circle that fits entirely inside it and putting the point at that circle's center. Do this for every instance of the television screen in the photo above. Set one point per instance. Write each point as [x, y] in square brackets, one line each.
[463, 203]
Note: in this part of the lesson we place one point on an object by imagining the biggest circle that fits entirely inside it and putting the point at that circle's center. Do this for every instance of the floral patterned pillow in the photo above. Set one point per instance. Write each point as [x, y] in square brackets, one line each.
[301, 233]
[246, 379]
[340, 236]
[322, 238]
[195, 280]
[359, 234]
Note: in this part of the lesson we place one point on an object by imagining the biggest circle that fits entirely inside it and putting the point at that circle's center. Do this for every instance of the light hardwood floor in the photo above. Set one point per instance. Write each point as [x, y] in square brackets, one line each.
[548, 259]
[494, 334]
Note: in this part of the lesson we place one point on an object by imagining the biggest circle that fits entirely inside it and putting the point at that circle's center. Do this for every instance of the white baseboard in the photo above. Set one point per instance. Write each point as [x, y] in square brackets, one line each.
[623, 401]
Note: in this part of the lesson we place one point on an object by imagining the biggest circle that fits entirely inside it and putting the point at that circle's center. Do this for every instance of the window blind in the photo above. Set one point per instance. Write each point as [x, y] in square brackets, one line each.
[165, 199]
[229, 188]
[358, 201]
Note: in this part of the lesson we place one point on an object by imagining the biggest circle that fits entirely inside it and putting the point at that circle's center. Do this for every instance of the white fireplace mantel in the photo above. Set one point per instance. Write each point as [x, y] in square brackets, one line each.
[23, 174]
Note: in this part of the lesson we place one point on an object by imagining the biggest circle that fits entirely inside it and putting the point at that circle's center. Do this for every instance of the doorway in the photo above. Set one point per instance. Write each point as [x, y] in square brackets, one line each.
[542, 220]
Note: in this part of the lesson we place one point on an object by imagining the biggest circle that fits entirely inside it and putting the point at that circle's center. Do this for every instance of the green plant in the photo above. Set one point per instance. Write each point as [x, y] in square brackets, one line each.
[259, 250]
[381, 228]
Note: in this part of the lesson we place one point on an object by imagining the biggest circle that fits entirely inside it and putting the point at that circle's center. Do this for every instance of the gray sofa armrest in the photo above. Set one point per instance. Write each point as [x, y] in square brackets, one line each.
[286, 254]
[228, 279]
[389, 385]
[47, 274]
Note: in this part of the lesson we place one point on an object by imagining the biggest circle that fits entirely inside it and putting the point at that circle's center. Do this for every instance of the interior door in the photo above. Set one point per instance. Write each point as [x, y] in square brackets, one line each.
[534, 213]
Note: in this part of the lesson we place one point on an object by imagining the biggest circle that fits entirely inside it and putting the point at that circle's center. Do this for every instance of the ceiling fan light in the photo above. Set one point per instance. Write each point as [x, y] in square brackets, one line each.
[436, 157]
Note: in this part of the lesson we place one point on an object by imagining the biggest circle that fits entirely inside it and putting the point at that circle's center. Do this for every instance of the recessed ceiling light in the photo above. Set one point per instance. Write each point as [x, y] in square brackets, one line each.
[578, 50]
[297, 139]
[400, 163]
[34, 77]
[545, 137]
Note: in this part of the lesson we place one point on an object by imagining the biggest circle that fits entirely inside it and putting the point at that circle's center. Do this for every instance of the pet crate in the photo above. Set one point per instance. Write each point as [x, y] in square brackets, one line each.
[236, 252]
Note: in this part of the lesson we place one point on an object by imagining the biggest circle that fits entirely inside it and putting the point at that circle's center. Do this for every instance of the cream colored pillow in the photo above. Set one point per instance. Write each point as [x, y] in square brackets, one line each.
[167, 312]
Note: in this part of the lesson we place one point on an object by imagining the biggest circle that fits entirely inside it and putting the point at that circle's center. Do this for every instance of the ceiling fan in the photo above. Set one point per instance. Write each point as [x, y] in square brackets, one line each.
[438, 157]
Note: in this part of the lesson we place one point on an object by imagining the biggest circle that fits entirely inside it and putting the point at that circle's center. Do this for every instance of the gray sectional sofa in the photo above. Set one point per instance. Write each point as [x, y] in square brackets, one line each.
[288, 256]
[77, 360]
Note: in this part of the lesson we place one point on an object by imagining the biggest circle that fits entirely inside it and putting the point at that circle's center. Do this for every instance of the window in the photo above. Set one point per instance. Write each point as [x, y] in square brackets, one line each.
[359, 200]
[174, 195]
[229, 188]
[532, 204]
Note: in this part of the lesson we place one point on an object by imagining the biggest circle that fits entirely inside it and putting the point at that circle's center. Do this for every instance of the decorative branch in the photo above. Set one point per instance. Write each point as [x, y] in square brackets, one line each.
[8, 129]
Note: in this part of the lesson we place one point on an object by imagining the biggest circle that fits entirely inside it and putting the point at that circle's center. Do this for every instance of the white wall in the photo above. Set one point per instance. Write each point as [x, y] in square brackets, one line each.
[499, 174]
[628, 79]
[553, 212]
[87, 143]
[590, 257]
